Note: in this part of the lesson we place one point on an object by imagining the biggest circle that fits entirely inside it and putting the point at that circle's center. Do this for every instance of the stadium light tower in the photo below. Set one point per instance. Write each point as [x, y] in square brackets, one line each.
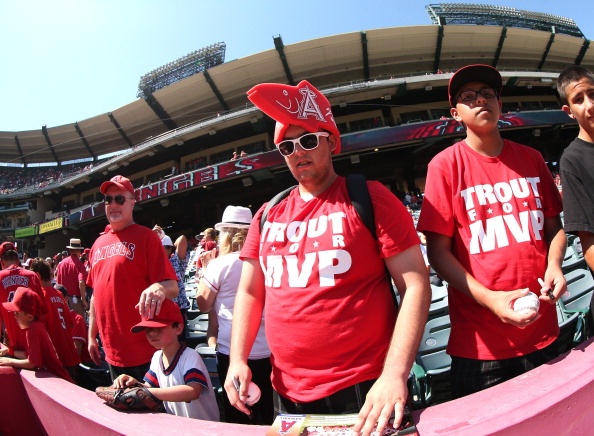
[193, 63]
[486, 15]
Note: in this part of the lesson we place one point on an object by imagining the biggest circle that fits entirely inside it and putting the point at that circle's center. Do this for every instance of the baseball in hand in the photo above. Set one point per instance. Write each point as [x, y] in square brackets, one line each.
[527, 303]
[253, 394]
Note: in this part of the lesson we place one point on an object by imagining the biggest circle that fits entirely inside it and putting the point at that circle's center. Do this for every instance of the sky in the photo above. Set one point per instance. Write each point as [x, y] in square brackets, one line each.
[69, 60]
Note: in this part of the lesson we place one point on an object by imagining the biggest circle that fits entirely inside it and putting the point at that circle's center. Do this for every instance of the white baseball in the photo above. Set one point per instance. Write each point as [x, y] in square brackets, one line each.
[253, 394]
[527, 303]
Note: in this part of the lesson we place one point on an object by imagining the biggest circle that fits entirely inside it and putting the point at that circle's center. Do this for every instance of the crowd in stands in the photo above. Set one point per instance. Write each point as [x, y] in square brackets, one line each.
[13, 179]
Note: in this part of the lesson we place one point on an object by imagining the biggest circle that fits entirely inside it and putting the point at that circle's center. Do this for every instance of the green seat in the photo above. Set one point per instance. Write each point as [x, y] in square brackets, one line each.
[430, 373]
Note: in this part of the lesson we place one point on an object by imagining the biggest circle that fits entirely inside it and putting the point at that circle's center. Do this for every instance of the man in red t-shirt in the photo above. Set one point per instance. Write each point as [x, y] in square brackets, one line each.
[71, 273]
[491, 218]
[131, 277]
[13, 276]
[330, 319]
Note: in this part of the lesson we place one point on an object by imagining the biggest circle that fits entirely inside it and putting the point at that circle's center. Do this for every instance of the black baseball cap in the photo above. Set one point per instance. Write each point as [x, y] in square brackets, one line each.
[474, 73]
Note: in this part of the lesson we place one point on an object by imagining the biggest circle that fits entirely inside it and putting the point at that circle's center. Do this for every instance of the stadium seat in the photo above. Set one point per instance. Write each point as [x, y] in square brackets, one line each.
[570, 327]
[577, 300]
[439, 302]
[430, 374]
[572, 260]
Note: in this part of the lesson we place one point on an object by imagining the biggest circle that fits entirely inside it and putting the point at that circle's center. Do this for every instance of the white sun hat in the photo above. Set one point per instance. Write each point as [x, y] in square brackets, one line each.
[235, 216]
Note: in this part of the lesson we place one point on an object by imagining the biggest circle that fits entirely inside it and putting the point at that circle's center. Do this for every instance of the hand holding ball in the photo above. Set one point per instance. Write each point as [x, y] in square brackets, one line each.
[527, 303]
[253, 394]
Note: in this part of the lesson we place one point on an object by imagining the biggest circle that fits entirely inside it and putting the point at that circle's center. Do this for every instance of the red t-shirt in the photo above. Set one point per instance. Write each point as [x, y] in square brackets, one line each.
[69, 273]
[123, 264]
[329, 311]
[494, 209]
[41, 352]
[80, 334]
[59, 326]
[12, 278]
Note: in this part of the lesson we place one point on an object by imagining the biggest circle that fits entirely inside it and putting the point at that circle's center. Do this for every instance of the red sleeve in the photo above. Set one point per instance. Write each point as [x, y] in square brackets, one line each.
[34, 353]
[395, 229]
[437, 213]
[251, 247]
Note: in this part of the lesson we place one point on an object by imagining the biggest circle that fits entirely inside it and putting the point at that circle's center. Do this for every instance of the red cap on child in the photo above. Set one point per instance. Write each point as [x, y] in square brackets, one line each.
[24, 300]
[168, 315]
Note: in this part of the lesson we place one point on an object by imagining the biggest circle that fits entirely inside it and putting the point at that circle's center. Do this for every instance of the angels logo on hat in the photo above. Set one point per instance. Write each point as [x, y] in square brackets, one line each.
[302, 105]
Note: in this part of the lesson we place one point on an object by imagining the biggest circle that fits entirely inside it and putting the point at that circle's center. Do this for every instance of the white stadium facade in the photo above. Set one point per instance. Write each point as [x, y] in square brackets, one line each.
[388, 88]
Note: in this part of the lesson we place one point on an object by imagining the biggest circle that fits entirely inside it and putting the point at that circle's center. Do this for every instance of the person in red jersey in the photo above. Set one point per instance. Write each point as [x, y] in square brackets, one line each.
[12, 276]
[59, 321]
[39, 353]
[131, 277]
[72, 274]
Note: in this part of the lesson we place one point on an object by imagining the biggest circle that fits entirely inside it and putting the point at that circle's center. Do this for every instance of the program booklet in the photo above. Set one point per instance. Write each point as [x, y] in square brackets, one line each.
[330, 425]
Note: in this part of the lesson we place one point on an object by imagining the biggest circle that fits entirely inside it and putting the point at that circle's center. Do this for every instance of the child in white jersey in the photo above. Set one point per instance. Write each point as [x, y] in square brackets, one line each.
[177, 374]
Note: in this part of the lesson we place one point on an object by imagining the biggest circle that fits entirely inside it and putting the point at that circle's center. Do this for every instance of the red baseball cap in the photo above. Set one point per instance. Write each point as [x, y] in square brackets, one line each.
[5, 246]
[302, 105]
[24, 300]
[120, 182]
[474, 73]
[168, 315]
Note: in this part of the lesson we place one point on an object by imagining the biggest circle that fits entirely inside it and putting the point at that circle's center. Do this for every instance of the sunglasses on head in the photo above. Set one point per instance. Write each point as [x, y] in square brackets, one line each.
[309, 141]
[119, 199]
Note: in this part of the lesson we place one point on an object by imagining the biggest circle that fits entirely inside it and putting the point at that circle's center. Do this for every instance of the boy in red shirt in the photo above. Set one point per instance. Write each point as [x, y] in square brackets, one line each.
[39, 352]
[491, 218]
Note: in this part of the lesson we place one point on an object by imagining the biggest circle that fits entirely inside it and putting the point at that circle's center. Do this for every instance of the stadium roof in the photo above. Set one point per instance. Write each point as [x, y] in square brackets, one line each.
[326, 62]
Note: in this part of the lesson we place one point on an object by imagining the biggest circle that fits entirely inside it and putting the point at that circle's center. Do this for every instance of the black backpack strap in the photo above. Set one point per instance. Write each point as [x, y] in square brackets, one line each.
[361, 200]
[273, 202]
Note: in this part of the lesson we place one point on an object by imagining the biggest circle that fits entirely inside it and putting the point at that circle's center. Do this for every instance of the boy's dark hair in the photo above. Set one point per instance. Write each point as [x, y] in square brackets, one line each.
[572, 74]
[40, 266]
[175, 325]
[10, 256]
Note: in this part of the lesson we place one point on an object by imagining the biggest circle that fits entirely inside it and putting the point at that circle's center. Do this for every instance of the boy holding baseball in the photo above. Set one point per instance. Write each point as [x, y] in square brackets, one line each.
[491, 218]
[177, 375]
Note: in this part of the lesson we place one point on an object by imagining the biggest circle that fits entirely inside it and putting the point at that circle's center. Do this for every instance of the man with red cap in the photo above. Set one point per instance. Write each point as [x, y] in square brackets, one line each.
[13, 276]
[131, 277]
[337, 345]
[491, 219]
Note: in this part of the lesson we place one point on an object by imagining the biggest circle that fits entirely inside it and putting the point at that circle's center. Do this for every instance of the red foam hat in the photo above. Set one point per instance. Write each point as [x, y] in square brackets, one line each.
[24, 300]
[119, 182]
[168, 315]
[302, 105]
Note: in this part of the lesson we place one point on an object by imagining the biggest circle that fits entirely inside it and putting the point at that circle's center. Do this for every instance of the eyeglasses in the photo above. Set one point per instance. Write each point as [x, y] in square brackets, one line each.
[471, 95]
[119, 199]
[309, 141]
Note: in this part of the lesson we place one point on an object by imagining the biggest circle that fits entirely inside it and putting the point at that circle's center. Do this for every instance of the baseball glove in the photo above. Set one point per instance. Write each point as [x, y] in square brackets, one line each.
[135, 397]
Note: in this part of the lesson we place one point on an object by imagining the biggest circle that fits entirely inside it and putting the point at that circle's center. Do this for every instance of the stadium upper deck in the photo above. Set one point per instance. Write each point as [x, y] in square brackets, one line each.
[380, 82]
